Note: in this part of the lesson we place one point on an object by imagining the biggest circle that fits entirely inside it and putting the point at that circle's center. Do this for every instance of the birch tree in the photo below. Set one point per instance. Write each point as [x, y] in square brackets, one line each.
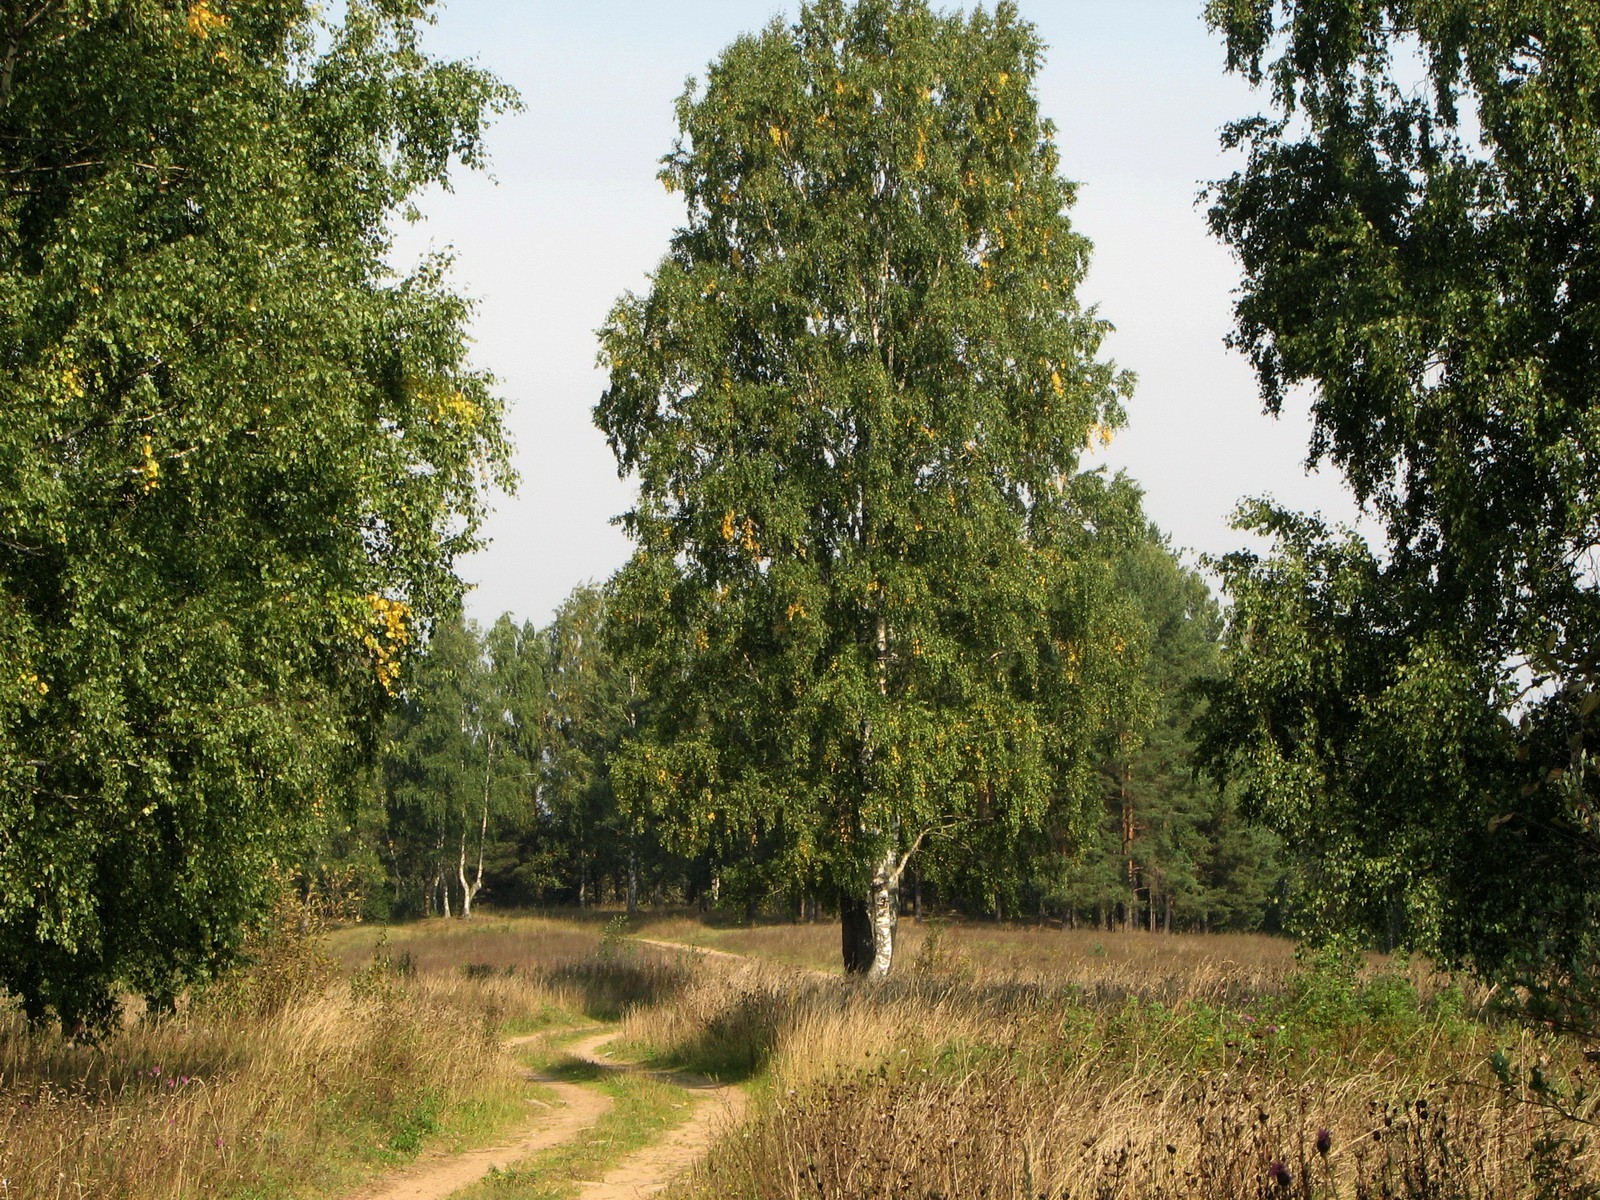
[1417, 225]
[238, 456]
[868, 601]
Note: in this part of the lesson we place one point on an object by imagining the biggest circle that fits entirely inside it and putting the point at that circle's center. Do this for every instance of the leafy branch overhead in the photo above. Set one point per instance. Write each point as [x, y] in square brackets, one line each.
[1416, 224]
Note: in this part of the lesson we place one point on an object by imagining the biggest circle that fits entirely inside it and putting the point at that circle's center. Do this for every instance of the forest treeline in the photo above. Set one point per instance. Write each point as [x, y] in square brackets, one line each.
[887, 636]
[494, 785]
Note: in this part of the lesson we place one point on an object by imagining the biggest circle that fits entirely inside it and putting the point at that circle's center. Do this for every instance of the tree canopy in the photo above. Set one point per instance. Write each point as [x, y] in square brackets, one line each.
[1417, 226]
[238, 459]
[871, 601]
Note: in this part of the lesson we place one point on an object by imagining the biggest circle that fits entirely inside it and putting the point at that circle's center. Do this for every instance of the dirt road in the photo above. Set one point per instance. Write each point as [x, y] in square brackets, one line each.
[641, 1173]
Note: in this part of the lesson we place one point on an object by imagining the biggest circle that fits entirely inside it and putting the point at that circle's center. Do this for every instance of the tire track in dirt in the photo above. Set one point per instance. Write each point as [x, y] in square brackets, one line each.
[641, 1173]
[442, 1174]
[717, 1106]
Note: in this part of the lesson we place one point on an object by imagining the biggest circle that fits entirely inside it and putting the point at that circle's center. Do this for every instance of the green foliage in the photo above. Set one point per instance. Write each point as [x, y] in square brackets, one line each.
[1420, 718]
[1172, 849]
[284, 961]
[872, 600]
[592, 706]
[415, 1125]
[460, 761]
[237, 460]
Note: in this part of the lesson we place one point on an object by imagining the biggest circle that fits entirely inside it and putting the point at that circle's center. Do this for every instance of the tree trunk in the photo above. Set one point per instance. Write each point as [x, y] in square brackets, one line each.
[856, 929]
[633, 880]
[883, 905]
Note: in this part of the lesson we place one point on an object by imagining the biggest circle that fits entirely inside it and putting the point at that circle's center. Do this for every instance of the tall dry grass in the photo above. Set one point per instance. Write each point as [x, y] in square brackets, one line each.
[327, 1061]
[1168, 1075]
[215, 1104]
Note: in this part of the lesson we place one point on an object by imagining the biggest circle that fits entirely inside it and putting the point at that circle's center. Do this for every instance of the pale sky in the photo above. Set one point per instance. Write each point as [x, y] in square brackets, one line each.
[573, 216]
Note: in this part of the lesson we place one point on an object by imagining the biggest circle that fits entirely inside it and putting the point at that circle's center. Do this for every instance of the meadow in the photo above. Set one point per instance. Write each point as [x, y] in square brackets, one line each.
[1013, 1062]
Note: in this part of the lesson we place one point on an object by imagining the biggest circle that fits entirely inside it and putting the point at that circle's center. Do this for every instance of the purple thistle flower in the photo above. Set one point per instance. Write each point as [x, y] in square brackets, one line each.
[1278, 1172]
[1324, 1141]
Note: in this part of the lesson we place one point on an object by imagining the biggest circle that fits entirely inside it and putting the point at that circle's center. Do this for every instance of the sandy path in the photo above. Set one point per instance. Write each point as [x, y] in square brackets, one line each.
[438, 1175]
[731, 957]
[651, 1168]
[641, 1173]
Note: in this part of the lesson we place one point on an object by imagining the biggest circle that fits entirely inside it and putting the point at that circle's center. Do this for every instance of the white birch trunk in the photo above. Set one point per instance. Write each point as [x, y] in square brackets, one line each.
[469, 891]
[883, 910]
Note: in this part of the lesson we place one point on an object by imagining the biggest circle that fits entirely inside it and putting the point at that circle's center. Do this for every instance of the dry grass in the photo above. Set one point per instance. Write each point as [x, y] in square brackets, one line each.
[1000, 1062]
[1133, 1066]
[1177, 964]
[212, 1103]
[308, 1072]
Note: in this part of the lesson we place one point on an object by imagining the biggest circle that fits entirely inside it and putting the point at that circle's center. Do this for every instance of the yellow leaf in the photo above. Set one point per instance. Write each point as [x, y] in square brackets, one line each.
[203, 19]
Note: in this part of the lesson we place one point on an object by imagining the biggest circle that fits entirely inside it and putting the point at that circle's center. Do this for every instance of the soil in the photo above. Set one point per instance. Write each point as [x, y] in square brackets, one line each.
[641, 1173]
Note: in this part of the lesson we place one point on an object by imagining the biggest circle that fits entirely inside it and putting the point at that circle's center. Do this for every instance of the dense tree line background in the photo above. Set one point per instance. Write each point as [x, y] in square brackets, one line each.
[495, 785]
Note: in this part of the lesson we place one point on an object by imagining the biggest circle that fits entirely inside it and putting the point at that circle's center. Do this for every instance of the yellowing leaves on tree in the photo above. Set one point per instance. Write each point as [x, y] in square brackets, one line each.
[386, 637]
[72, 386]
[855, 448]
[1055, 382]
[148, 470]
[203, 19]
[455, 408]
